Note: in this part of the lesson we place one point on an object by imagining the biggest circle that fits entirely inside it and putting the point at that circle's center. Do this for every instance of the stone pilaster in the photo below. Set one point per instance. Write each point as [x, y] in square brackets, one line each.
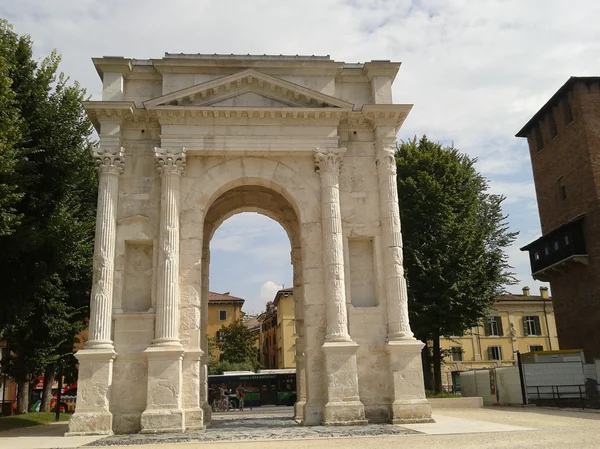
[300, 378]
[204, 403]
[409, 404]
[343, 405]
[96, 359]
[170, 165]
[395, 282]
[164, 411]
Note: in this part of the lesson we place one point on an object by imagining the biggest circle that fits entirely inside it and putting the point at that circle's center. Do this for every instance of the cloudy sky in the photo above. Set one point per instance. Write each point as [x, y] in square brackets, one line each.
[475, 71]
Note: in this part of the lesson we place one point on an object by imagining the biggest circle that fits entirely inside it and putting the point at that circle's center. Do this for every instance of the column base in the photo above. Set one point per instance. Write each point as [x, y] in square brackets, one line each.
[411, 412]
[164, 413]
[299, 410]
[409, 404]
[92, 416]
[163, 421]
[90, 423]
[194, 418]
[343, 406]
[313, 415]
[349, 413]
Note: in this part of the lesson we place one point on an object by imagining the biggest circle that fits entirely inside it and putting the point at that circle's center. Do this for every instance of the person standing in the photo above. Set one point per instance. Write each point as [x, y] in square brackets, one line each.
[241, 392]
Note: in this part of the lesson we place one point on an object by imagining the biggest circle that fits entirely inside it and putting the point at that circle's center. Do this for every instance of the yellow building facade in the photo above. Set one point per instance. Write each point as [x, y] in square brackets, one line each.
[286, 328]
[523, 323]
[223, 309]
[267, 340]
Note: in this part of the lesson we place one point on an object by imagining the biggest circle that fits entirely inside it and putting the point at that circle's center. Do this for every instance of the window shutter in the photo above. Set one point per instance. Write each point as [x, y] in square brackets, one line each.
[490, 355]
[500, 353]
[538, 328]
[525, 328]
[486, 327]
[499, 324]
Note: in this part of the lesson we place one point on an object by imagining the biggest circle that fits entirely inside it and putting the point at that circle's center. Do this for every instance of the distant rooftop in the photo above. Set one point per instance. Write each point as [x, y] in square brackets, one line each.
[223, 297]
[264, 57]
[553, 100]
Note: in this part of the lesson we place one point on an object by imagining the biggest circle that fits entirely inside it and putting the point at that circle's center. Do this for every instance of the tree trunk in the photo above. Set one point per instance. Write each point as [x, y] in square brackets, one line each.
[426, 361]
[47, 392]
[437, 364]
[23, 397]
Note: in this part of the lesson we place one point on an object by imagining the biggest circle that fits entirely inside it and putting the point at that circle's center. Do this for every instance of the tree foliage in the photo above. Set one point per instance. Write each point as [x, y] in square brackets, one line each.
[455, 236]
[45, 262]
[238, 345]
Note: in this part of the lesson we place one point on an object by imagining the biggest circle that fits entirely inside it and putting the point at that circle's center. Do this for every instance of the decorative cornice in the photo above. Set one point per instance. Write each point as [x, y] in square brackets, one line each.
[107, 111]
[109, 160]
[247, 116]
[386, 114]
[169, 161]
[329, 159]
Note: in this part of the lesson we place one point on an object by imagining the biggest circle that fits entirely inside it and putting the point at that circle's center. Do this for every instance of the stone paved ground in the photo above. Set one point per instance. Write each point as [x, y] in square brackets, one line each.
[236, 426]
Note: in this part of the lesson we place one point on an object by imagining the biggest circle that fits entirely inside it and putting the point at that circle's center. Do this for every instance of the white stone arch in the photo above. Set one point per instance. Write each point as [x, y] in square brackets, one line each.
[243, 184]
[302, 192]
[209, 138]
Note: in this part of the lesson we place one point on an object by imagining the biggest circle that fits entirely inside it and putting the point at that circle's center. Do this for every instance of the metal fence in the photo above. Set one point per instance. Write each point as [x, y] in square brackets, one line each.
[564, 396]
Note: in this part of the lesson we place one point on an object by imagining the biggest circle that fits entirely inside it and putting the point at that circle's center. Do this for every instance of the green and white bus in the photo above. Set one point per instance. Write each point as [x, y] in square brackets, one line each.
[267, 387]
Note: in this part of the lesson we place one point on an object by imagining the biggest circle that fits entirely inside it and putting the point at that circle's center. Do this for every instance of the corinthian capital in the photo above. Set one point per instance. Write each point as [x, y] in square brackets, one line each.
[386, 158]
[169, 161]
[109, 160]
[329, 159]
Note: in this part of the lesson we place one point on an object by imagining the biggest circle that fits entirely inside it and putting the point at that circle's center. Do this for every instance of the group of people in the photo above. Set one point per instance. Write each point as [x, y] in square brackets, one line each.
[224, 396]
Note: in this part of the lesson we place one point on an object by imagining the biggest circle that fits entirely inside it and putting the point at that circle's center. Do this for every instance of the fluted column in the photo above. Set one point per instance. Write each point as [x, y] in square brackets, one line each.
[395, 282]
[109, 164]
[170, 165]
[328, 161]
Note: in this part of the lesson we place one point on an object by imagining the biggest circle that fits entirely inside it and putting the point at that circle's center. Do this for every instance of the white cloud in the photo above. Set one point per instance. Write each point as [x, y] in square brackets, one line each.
[515, 192]
[268, 290]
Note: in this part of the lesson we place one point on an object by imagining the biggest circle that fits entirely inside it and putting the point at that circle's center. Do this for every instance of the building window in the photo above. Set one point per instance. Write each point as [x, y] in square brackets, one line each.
[562, 189]
[546, 250]
[534, 348]
[494, 352]
[539, 143]
[536, 255]
[219, 336]
[555, 245]
[531, 325]
[493, 326]
[567, 110]
[223, 315]
[552, 124]
[567, 241]
[457, 353]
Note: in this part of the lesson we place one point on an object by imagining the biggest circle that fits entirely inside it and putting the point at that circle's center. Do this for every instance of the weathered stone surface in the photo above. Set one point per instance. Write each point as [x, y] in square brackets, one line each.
[302, 140]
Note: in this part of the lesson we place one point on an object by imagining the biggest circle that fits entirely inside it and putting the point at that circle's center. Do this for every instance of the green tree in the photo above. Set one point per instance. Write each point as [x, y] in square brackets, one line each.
[455, 236]
[10, 135]
[45, 262]
[239, 344]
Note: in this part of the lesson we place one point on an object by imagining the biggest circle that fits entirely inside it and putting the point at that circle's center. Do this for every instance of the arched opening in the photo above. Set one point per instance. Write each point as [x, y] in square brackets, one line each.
[232, 205]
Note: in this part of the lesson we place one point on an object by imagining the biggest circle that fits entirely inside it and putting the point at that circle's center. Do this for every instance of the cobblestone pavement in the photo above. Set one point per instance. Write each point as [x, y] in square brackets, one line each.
[236, 426]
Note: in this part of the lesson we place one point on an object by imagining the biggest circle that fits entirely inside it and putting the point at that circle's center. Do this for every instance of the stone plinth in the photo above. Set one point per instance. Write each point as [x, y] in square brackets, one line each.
[163, 410]
[92, 416]
[343, 406]
[409, 403]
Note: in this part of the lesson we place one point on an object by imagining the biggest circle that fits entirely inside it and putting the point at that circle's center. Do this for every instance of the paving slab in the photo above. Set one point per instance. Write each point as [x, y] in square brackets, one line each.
[42, 437]
[446, 425]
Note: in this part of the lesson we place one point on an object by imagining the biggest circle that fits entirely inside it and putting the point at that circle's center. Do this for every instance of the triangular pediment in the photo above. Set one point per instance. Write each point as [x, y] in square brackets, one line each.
[248, 88]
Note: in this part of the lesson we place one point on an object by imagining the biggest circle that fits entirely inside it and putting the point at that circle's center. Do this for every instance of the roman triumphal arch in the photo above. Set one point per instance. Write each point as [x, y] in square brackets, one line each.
[187, 141]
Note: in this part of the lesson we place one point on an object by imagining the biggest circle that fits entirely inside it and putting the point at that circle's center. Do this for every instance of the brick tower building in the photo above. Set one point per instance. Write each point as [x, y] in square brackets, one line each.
[564, 144]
